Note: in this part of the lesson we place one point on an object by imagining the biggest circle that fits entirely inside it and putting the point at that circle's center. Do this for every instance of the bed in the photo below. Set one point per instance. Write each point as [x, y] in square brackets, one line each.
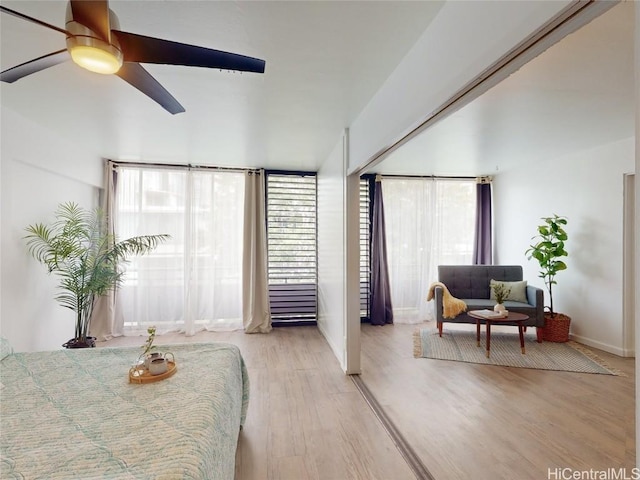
[72, 414]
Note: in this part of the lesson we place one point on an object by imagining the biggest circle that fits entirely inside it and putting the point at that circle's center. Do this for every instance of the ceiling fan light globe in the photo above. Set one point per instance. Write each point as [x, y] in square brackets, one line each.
[90, 51]
[96, 59]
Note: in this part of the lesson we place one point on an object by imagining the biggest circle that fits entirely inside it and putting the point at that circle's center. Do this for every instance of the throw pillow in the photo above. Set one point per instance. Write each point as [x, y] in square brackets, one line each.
[518, 291]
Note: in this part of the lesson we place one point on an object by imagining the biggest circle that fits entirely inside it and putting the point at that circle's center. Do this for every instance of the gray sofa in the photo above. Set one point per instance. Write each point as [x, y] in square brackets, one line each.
[470, 283]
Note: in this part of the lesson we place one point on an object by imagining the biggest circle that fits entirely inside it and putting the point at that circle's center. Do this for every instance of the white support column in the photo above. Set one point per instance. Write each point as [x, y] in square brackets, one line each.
[637, 224]
[352, 266]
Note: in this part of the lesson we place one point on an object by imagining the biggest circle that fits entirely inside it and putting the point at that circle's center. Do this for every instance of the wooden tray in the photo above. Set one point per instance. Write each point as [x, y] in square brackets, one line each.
[139, 374]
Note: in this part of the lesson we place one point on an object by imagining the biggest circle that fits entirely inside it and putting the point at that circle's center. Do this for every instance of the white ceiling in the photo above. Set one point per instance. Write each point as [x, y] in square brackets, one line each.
[577, 95]
[324, 61]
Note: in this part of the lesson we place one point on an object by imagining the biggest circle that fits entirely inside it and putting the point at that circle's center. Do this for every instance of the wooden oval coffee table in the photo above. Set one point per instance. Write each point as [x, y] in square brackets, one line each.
[512, 317]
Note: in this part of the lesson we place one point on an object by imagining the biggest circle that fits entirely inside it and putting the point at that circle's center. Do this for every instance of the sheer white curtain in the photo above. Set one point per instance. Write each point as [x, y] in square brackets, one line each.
[193, 281]
[429, 222]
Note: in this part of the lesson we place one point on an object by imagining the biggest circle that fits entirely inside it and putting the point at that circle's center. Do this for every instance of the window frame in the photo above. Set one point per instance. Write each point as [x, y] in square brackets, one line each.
[287, 297]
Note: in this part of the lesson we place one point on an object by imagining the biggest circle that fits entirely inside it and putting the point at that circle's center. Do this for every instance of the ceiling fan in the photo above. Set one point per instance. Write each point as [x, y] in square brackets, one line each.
[95, 42]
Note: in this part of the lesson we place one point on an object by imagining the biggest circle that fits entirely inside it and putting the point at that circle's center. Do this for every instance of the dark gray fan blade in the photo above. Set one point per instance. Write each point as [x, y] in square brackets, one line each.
[31, 19]
[93, 14]
[138, 48]
[32, 66]
[137, 76]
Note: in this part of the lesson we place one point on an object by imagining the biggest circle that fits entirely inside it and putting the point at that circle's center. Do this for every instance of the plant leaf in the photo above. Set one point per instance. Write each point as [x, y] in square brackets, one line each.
[87, 259]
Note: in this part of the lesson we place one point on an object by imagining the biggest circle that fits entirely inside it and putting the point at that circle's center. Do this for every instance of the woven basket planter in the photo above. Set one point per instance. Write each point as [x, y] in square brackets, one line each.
[556, 328]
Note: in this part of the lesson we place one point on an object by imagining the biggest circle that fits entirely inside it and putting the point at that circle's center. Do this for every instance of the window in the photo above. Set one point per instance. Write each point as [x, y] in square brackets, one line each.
[365, 245]
[291, 246]
[429, 222]
[194, 280]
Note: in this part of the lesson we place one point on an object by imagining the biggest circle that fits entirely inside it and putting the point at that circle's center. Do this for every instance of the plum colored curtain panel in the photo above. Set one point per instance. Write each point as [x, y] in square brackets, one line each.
[193, 281]
[107, 321]
[482, 244]
[256, 310]
[429, 222]
[381, 309]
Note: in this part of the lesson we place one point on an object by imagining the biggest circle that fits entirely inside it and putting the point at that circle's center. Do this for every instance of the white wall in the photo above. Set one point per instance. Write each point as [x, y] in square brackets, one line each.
[637, 230]
[586, 187]
[331, 251]
[38, 171]
[463, 40]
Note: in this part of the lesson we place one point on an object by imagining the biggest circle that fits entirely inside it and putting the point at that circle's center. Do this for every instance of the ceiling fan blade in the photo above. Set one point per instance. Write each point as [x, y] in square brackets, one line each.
[34, 20]
[138, 48]
[93, 14]
[32, 66]
[138, 77]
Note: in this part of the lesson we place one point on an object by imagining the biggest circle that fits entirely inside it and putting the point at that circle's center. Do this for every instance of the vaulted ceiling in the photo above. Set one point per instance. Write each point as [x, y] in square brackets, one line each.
[324, 61]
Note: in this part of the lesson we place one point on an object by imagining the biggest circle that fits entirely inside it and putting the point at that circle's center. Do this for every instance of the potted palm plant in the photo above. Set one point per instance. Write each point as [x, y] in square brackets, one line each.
[547, 249]
[78, 248]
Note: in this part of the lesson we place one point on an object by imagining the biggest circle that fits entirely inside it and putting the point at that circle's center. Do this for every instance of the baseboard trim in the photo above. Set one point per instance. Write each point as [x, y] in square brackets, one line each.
[421, 472]
[339, 353]
[621, 352]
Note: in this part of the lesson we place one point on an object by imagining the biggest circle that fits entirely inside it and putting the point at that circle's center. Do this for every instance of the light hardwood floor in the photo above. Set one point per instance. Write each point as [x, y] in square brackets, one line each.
[468, 421]
[306, 419]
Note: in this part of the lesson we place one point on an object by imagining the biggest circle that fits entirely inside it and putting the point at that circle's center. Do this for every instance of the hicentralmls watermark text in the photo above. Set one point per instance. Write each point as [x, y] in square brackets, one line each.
[559, 473]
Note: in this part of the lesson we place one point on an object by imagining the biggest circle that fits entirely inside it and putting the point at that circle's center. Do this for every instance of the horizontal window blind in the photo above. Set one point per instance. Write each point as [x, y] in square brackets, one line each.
[291, 245]
[365, 247]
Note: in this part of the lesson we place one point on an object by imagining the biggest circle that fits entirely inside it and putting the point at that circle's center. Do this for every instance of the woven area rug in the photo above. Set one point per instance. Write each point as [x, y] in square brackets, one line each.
[461, 346]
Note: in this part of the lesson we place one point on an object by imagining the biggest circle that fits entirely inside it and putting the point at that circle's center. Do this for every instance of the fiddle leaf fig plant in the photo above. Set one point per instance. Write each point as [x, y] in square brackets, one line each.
[78, 248]
[547, 249]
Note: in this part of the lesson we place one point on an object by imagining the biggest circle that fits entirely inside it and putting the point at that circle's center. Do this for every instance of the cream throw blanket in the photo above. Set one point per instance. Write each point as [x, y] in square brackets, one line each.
[451, 306]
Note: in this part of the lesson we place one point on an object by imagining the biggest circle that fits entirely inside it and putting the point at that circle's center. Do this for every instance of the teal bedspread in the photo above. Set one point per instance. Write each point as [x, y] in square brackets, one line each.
[72, 414]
